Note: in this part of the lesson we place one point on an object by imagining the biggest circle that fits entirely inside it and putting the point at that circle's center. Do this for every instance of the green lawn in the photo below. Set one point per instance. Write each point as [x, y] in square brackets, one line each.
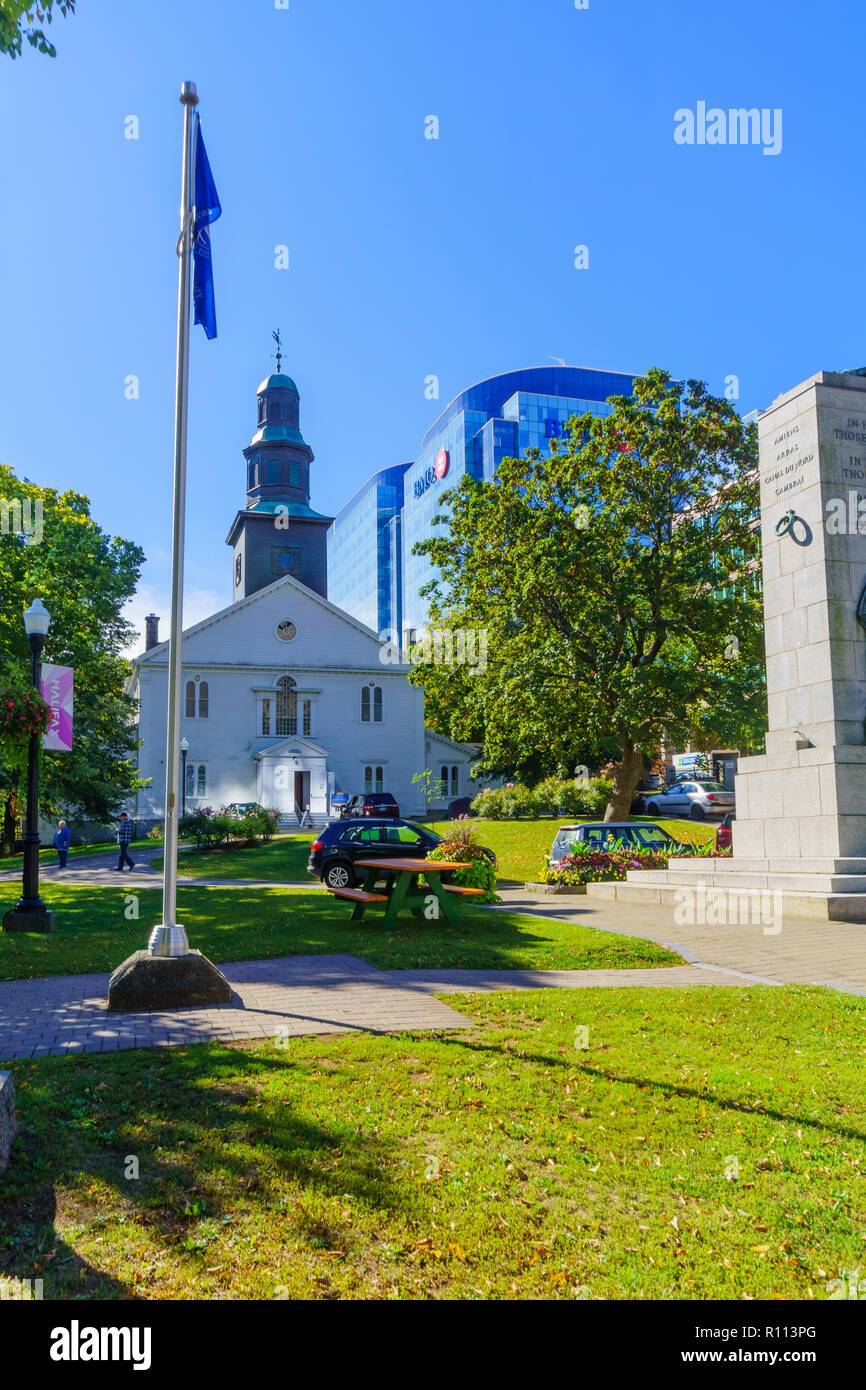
[521, 848]
[284, 860]
[94, 934]
[707, 1144]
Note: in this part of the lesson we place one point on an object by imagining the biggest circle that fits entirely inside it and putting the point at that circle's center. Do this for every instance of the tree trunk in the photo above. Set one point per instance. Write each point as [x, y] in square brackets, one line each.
[626, 775]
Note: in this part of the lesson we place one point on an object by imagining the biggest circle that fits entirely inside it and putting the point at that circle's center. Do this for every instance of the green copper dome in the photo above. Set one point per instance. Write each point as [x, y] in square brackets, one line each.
[277, 382]
[270, 433]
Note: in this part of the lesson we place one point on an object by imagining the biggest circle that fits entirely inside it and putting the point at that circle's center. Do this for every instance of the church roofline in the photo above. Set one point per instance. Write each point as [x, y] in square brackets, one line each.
[286, 581]
[455, 743]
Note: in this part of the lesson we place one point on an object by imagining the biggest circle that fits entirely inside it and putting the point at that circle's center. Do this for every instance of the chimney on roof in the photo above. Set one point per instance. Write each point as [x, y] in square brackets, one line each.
[151, 631]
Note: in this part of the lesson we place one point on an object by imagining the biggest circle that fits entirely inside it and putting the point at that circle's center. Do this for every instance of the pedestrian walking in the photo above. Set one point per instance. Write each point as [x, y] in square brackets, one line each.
[124, 835]
[61, 843]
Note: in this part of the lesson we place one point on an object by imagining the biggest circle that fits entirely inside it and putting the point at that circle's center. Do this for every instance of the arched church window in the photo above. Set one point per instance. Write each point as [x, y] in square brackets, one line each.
[287, 706]
[190, 779]
[365, 704]
[377, 705]
[444, 780]
[380, 780]
[308, 717]
[190, 700]
[368, 779]
[203, 700]
[266, 716]
[455, 781]
[202, 780]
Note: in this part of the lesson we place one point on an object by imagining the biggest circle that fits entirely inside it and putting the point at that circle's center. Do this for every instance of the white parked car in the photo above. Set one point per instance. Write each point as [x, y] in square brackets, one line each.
[697, 800]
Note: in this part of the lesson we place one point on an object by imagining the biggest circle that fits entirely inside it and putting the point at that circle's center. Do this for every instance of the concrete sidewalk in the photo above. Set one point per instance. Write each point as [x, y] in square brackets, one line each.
[799, 952]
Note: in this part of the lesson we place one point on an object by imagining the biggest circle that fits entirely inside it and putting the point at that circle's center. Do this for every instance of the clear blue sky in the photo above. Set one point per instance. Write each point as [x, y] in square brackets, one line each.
[408, 256]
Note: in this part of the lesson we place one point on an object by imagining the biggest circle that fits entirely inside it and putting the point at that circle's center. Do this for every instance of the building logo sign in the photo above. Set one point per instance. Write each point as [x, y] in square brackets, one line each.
[436, 470]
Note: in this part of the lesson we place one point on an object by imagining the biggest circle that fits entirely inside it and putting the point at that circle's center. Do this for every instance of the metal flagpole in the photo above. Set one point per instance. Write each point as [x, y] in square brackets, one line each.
[169, 938]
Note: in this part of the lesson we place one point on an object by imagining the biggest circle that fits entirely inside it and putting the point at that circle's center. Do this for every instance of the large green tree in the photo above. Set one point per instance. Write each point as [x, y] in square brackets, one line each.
[21, 19]
[51, 548]
[617, 581]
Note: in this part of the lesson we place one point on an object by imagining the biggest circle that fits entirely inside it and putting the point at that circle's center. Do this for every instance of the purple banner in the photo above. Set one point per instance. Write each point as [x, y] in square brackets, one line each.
[56, 689]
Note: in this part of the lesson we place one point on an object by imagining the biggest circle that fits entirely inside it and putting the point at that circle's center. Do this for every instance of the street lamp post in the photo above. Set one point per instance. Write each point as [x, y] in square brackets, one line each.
[184, 749]
[30, 912]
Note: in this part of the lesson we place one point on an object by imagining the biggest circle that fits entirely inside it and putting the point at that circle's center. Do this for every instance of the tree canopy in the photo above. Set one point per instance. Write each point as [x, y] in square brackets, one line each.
[84, 577]
[618, 582]
[21, 19]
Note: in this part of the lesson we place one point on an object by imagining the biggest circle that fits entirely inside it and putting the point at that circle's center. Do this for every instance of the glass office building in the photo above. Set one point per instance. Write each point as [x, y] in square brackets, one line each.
[364, 552]
[371, 568]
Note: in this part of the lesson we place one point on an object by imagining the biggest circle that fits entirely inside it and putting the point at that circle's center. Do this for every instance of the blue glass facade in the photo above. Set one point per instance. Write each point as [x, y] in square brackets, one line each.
[364, 550]
[371, 567]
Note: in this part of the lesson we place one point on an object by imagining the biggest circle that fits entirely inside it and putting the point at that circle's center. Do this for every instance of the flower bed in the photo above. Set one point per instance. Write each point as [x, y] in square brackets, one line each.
[588, 865]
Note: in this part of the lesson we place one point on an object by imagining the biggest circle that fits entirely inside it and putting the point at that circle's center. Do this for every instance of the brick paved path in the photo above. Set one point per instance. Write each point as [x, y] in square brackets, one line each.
[283, 998]
[273, 998]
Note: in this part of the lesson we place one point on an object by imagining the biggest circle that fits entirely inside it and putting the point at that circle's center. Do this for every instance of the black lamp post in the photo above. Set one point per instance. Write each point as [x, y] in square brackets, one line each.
[30, 913]
[184, 749]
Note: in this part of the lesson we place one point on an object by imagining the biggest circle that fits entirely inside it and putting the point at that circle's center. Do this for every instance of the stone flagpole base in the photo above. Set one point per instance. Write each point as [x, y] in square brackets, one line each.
[156, 979]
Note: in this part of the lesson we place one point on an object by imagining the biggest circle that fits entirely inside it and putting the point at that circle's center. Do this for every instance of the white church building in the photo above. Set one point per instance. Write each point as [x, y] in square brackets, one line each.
[285, 698]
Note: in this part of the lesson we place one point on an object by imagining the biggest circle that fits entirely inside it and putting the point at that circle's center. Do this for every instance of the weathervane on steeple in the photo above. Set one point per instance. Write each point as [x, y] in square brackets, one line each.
[279, 352]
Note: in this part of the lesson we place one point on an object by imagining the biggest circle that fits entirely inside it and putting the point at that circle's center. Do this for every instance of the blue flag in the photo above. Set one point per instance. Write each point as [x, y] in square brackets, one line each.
[207, 210]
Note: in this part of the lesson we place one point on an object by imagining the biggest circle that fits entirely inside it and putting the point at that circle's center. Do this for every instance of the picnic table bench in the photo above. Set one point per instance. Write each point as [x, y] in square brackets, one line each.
[403, 890]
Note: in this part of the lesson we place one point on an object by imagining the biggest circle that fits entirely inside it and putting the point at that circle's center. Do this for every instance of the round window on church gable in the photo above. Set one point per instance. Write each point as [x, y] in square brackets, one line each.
[286, 630]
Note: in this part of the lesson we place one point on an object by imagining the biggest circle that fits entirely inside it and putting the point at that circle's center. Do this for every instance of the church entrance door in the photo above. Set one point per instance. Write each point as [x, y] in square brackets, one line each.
[302, 791]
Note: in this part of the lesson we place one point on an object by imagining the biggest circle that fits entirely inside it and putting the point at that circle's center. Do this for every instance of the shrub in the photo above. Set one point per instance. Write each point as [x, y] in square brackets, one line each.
[206, 827]
[545, 797]
[256, 827]
[585, 800]
[461, 844]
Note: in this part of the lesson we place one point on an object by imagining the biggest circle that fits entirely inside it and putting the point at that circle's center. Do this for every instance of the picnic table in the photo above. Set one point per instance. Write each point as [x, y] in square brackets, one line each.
[403, 890]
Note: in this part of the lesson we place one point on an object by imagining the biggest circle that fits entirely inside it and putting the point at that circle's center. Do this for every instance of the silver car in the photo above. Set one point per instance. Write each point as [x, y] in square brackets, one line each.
[697, 800]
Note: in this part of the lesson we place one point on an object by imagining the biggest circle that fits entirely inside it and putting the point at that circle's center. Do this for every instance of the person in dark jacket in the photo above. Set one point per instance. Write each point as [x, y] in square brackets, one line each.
[124, 835]
[61, 843]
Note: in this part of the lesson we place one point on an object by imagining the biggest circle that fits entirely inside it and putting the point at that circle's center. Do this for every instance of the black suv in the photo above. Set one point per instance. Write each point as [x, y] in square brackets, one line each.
[377, 804]
[335, 849]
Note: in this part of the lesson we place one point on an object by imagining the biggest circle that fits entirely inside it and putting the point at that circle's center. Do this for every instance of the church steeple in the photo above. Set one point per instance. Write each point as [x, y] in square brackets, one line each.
[290, 538]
